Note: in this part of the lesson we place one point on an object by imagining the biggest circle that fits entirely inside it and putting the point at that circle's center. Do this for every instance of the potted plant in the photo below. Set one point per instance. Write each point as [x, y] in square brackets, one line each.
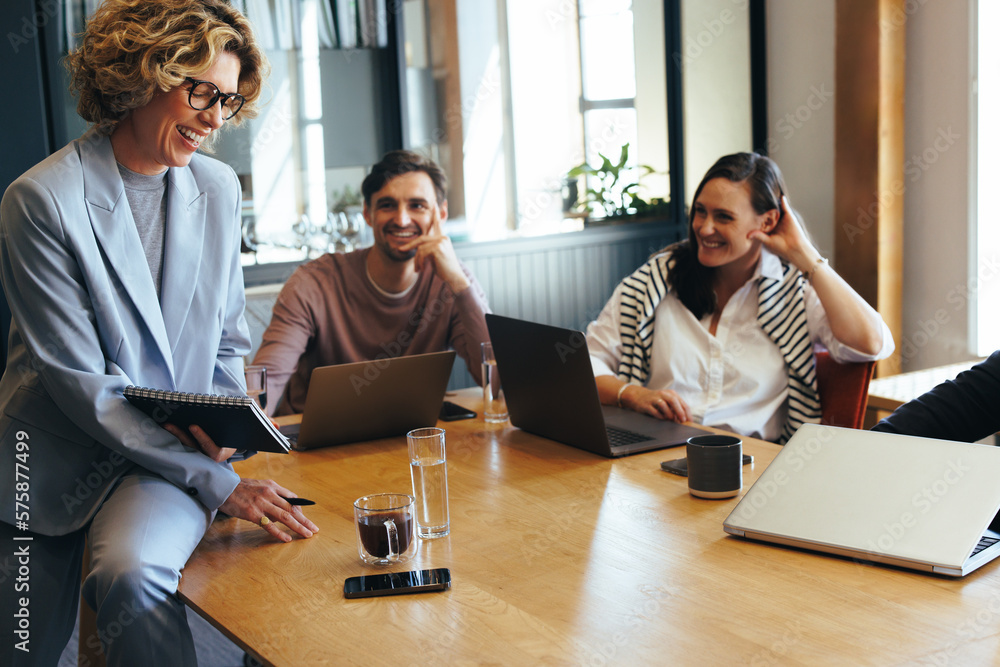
[607, 196]
[347, 200]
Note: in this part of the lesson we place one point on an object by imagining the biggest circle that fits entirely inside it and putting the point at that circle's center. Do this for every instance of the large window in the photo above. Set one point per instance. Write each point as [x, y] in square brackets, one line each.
[546, 85]
[508, 96]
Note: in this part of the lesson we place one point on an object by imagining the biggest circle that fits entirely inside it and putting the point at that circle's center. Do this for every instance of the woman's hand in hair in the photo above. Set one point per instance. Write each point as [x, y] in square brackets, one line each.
[852, 321]
[786, 237]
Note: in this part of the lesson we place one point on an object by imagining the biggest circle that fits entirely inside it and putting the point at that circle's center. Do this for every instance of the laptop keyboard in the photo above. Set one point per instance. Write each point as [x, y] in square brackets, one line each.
[984, 543]
[620, 436]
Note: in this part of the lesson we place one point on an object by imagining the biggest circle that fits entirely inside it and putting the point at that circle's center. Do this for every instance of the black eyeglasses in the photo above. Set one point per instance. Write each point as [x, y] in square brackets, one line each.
[204, 95]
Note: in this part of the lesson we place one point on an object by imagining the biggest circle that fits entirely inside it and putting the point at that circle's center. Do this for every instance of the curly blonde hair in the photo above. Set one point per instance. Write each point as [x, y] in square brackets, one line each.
[131, 48]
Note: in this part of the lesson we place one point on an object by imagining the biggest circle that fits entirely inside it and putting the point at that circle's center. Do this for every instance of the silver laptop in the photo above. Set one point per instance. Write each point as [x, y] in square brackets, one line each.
[549, 383]
[923, 504]
[372, 399]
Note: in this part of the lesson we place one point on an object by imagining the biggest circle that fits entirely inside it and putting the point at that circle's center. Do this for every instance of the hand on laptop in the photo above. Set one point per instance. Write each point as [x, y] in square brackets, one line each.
[663, 404]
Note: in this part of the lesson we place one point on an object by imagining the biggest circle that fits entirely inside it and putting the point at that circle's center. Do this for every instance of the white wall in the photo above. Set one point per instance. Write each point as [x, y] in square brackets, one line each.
[801, 66]
[715, 40]
[651, 97]
[939, 135]
[800, 87]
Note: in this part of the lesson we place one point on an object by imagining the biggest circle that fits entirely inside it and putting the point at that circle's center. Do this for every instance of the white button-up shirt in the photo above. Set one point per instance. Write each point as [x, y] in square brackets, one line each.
[735, 380]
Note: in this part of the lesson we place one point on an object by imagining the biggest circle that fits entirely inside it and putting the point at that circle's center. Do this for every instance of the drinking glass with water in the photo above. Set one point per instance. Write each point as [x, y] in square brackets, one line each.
[429, 474]
[494, 403]
[256, 377]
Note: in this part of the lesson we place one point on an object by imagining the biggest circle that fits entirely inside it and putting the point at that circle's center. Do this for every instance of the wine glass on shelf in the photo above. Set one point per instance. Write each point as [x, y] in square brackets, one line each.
[303, 230]
[354, 222]
[337, 223]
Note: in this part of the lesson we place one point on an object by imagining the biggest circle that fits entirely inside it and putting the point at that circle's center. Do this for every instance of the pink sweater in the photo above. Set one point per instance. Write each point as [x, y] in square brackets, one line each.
[329, 312]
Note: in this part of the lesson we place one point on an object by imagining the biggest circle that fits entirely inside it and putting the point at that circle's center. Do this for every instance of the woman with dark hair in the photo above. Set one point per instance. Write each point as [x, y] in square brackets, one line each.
[719, 329]
[120, 258]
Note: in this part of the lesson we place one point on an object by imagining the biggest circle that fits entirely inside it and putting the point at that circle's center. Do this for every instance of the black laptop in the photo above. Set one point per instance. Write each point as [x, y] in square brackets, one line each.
[550, 389]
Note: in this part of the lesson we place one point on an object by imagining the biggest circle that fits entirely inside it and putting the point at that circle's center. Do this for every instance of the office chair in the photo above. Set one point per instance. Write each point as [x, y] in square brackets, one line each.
[843, 390]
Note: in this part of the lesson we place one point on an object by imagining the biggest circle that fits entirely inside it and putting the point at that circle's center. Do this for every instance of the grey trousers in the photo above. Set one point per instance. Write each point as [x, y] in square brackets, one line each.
[140, 539]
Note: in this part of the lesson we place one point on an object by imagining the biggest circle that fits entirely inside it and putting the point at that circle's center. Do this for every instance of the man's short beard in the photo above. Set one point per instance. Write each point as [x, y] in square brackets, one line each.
[395, 255]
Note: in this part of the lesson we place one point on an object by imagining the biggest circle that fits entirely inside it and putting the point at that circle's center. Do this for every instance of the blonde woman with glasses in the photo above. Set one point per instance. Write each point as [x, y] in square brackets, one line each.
[119, 256]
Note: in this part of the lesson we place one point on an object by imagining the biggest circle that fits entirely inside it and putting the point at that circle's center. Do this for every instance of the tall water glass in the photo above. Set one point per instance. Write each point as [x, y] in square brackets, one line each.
[256, 377]
[429, 473]
[494, 403]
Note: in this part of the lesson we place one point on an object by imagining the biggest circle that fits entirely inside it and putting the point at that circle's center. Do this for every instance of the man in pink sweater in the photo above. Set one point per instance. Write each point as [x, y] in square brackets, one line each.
[407, 294]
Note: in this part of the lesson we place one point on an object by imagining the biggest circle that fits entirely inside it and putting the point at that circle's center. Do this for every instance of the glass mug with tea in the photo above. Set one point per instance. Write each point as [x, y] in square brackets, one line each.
[386, 528]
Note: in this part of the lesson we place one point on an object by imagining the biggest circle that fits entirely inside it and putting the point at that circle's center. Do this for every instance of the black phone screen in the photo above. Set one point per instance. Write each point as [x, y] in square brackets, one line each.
[397, 583]
[453, 412]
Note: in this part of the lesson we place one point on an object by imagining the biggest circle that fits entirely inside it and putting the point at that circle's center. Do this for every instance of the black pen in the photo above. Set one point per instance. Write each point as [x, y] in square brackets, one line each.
[300, 501]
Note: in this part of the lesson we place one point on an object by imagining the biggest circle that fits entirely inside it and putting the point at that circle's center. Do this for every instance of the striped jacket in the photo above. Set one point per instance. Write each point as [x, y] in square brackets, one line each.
[781, 313]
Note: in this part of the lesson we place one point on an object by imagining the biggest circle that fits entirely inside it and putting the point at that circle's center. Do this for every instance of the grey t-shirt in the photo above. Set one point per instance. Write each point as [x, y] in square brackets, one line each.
[147, 197]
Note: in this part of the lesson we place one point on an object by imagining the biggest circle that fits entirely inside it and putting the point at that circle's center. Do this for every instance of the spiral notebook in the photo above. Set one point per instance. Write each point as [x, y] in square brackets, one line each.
[231, 421]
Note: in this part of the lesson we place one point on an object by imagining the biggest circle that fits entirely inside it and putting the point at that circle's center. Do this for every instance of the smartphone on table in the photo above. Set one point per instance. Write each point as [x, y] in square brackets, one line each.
[453, 412]
[397, 583]
[680, 466]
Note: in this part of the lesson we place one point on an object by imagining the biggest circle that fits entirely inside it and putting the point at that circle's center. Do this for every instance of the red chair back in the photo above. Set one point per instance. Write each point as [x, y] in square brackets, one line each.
[843, 390]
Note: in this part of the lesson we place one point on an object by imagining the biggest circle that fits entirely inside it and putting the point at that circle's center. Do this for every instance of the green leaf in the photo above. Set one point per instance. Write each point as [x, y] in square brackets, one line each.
[581, 170]
[624, 156]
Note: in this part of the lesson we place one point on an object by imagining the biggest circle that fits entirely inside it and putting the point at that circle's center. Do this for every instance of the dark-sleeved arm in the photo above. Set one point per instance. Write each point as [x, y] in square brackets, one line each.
[964, 409]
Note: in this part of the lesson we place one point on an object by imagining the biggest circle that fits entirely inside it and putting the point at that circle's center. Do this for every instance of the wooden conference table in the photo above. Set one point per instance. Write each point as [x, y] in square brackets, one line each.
[885, 394]
[563, 557]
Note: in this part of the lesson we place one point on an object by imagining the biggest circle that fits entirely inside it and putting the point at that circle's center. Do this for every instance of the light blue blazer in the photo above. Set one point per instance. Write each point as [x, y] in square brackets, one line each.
[87, 323]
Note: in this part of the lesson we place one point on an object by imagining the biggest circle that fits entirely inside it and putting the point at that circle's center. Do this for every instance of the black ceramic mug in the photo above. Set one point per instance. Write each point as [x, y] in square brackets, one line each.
[715, 466]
